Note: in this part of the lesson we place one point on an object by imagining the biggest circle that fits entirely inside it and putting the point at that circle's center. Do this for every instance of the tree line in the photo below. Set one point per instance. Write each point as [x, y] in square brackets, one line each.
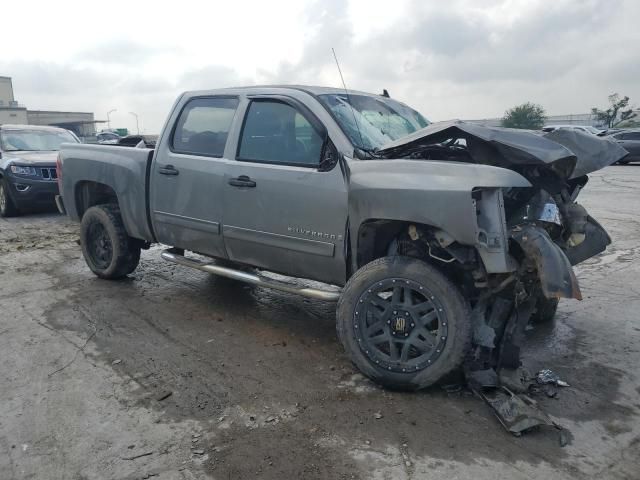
[532, 116]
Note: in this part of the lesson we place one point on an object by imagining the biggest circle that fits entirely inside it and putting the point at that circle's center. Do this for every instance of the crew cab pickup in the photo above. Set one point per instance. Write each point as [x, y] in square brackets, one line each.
[439, 241]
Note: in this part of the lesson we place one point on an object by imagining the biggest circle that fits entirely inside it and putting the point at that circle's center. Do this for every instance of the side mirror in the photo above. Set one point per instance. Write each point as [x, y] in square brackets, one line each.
[329, 156]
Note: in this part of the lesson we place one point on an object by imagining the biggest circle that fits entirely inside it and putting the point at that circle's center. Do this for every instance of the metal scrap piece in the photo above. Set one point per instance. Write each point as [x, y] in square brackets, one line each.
[516, 413]
[547, 376]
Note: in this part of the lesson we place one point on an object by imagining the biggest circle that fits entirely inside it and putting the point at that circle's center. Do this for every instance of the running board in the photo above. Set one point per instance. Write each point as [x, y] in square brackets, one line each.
[251, 278]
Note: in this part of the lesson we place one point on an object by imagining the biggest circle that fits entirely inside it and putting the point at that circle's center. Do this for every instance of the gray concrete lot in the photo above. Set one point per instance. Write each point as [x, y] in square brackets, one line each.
[174, 374]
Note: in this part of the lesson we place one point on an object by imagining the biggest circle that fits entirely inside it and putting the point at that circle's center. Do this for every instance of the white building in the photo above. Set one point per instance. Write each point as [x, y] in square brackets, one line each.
[10, 110]
[82, 124]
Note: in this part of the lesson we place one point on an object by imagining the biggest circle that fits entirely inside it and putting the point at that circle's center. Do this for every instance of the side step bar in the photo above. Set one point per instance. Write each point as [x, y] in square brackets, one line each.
[250, 277]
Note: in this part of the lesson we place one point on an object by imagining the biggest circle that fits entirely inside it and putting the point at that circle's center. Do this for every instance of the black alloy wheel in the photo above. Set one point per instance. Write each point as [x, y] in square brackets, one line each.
[400, 325]
[99, 245]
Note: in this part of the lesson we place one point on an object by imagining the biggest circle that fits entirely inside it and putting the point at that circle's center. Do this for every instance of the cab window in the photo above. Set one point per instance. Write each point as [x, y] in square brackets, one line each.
[203, 126]
[275, 132]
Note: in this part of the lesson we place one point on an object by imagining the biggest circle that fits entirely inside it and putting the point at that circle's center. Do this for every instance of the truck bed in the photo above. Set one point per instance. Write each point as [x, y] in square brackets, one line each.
[122, 169]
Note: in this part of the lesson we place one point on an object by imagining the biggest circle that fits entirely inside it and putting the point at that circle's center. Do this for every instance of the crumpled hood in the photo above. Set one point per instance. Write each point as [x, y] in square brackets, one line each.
[569, 153]
[30, 158]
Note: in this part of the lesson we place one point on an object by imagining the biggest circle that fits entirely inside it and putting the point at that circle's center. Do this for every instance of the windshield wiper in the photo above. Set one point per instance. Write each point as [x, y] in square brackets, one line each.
[371, 153]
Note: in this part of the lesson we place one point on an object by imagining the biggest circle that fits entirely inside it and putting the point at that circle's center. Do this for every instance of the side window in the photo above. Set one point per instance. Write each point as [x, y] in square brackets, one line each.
[203, 126]
[275, 132]
[632, 136]
[619, 136]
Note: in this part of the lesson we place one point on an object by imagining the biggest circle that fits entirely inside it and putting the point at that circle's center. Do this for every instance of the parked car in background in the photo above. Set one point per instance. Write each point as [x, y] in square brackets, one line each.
[108, 138]
[582, 128]
[610, 131]
[28, 166]
[146, 141]
[630, 141]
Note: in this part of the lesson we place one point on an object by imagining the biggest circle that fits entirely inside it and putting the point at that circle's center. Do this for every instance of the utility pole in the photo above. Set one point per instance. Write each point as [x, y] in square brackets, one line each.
[109, 119]
[137, 125]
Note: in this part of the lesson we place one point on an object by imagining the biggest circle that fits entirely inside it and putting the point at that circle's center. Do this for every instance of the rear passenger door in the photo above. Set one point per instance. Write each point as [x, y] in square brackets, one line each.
[187, 176]
[282, 212]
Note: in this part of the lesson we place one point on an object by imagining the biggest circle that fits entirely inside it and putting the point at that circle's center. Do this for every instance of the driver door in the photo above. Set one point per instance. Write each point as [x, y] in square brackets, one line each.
[282, 213]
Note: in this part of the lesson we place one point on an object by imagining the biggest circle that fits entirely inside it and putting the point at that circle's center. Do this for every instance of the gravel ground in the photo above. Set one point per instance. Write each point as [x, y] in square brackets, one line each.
[175, 374]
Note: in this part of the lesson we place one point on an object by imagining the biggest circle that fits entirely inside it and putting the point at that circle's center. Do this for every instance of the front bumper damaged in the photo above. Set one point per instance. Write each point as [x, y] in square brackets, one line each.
[595, 241]
[557, 279]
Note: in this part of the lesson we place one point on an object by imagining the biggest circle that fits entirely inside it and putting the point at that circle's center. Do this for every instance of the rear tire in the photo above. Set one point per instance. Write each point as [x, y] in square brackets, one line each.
[403, 323]
[7, 207]
[109, 252]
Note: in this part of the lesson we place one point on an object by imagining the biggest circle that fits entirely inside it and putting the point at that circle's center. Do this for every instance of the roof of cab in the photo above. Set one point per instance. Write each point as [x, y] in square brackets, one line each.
[312, 89]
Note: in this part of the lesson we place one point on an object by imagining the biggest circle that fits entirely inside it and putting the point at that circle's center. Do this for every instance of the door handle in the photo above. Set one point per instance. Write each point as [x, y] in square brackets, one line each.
[242, 181]
[168, 170]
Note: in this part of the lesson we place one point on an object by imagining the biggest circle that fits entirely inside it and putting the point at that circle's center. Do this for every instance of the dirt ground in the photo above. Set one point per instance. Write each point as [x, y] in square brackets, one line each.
[176, 374]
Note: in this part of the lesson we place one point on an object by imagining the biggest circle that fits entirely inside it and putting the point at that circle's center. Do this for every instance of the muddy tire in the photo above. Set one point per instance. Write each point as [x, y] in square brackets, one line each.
[7, 207]
[403, 323]
[545, 310]
[109, 252]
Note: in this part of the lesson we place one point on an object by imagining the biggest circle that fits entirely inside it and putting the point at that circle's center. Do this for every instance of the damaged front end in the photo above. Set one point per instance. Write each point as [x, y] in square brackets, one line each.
[528, 238]
[555, 275]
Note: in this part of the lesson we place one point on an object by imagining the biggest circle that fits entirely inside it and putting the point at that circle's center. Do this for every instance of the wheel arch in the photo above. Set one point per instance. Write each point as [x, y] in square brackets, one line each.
[375, 235]
[88, 193]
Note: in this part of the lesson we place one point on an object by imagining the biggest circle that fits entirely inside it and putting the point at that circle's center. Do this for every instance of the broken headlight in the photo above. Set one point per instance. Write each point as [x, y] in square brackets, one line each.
[541, 207]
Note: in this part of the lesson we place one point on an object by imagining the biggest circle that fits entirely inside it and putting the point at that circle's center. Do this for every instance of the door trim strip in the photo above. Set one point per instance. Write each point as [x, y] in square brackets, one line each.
[286, 242]
[187, 222]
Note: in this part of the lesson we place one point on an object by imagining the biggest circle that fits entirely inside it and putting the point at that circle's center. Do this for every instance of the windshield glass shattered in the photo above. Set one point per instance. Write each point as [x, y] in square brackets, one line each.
[34, 140]
[373, 121]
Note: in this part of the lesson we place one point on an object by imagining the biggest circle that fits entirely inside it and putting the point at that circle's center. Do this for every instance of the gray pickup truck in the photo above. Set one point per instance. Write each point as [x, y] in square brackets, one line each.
[439, 241]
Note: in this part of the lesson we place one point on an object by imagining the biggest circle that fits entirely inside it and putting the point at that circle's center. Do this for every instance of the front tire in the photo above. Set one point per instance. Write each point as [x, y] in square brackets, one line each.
[7, 207]
[545, 310]
[403, 323]
[107, 248]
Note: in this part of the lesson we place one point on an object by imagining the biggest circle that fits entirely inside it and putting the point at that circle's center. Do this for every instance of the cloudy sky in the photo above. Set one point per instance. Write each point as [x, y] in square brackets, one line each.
[453, 59]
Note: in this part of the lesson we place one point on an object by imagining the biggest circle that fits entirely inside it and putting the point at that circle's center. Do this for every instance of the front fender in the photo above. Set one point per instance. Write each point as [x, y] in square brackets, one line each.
[425, 191]
[434, 193]
[555, 273]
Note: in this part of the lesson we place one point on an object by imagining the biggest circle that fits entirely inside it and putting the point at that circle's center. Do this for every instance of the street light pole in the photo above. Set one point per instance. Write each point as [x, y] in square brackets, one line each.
[137, 126]
[109, 119]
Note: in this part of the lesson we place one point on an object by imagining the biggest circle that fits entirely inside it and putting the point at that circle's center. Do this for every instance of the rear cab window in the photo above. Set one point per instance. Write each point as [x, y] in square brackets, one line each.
[203, 126]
